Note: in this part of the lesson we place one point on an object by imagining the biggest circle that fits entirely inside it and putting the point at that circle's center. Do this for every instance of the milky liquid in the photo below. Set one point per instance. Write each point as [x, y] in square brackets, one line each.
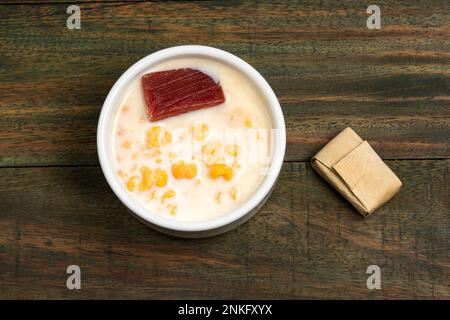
[202, 197]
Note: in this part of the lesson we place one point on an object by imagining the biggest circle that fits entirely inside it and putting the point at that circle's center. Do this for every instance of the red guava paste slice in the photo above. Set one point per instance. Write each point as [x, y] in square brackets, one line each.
[169, 93]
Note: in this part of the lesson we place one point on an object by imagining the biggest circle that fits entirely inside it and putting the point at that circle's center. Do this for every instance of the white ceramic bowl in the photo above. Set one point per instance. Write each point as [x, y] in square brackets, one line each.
[181, 228]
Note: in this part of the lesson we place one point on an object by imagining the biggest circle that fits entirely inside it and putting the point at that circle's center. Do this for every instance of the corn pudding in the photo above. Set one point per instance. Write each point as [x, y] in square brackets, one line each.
[196, 165]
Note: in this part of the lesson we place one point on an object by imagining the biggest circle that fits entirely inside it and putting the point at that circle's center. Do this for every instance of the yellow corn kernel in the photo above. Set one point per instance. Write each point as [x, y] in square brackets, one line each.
[208, 150]
[141, 186]
[168, 194]
[200, 131]
[159, 160]
[127, 144]
[122, 174]
[156, 137]
[131, 184]
[235, 193]
[155, 153]
[144, 170]
[146, 181]
[219, 159]
[152, 195]
[172, 155]
[166, 139]
[183, 170]
[160, 178]
[172, 209]
[212, 153]
[152, 140]
[211, 149]
[218, 197]
[248, 123]
[221, 170]
[232, 149]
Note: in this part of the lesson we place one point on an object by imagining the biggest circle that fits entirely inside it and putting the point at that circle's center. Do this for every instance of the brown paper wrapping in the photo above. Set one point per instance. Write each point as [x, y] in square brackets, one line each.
[353, 168]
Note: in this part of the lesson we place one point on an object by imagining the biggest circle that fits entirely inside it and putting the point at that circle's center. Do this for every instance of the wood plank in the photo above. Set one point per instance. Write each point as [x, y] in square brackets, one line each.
[328, 69]
[311, 245]
[67, 2]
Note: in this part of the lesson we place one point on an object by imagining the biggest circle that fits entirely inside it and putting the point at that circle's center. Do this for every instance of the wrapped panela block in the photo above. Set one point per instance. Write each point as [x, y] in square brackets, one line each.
[353, 168]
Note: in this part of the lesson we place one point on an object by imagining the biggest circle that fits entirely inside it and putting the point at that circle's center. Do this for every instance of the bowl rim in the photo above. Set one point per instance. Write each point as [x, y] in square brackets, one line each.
[276, 115]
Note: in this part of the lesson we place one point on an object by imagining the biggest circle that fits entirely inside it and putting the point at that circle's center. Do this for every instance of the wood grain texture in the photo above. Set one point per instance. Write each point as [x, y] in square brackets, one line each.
[328, 70]
[313, 245]
[68, 2]
[391, 85]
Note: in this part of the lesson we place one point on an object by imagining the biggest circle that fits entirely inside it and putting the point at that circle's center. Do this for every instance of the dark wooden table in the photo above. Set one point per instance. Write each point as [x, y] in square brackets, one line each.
[329, 71]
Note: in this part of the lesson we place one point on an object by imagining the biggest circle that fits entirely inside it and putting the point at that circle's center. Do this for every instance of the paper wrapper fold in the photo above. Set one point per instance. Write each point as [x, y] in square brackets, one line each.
[352, 167]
